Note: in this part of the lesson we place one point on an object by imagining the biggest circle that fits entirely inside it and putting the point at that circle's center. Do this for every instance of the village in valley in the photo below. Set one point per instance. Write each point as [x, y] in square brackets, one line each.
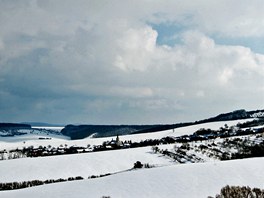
[251, 128]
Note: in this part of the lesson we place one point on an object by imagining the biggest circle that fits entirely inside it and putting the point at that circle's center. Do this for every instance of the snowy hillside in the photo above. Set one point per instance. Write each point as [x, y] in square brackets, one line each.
[84, 165]
[180, 169]
[181, 181]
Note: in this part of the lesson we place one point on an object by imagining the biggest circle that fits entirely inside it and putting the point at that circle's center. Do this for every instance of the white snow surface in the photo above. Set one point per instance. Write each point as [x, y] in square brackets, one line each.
[86, 164]
[181, 181]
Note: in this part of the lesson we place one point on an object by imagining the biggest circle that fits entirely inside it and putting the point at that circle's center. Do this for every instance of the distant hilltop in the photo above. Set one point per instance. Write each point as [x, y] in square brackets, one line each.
[8, 126]
[236, 115]
[83, 131]
[43, 124]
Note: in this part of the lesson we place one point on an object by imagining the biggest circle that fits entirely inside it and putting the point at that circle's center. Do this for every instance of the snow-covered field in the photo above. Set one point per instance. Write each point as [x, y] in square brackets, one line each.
[84, 165]
[167, 178]
[181, 181]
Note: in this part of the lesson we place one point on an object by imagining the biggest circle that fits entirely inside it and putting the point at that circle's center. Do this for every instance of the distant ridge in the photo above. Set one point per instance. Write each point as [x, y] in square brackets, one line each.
[83, 131]
[235, 115]
[43, 124]
[8, 126]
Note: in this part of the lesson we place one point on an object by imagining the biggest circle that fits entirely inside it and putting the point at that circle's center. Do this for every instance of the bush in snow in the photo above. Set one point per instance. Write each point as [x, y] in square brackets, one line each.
[138, 164]
[239, 192]
[155, 149]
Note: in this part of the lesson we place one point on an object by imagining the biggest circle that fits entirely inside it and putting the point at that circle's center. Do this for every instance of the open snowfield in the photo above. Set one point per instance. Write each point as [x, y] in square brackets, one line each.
[181, 181]
[84, 165]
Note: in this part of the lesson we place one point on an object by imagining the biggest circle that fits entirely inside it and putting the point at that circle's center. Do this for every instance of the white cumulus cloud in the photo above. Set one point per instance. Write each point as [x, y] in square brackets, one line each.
[101, 62]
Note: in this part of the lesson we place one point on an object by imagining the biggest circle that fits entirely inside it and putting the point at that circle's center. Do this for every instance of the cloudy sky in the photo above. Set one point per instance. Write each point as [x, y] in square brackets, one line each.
[129, 62]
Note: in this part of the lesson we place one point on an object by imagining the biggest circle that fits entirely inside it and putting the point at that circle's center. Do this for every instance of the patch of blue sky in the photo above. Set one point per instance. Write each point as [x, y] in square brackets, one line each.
[169, 34]
[254, 43]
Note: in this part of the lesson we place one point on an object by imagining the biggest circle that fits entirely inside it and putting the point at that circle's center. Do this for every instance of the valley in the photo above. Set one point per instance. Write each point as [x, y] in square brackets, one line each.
[190, 161]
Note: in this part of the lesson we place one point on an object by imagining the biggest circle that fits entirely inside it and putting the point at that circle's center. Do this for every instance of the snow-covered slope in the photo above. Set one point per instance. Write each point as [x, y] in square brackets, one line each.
[84, 165]
[181, 181]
